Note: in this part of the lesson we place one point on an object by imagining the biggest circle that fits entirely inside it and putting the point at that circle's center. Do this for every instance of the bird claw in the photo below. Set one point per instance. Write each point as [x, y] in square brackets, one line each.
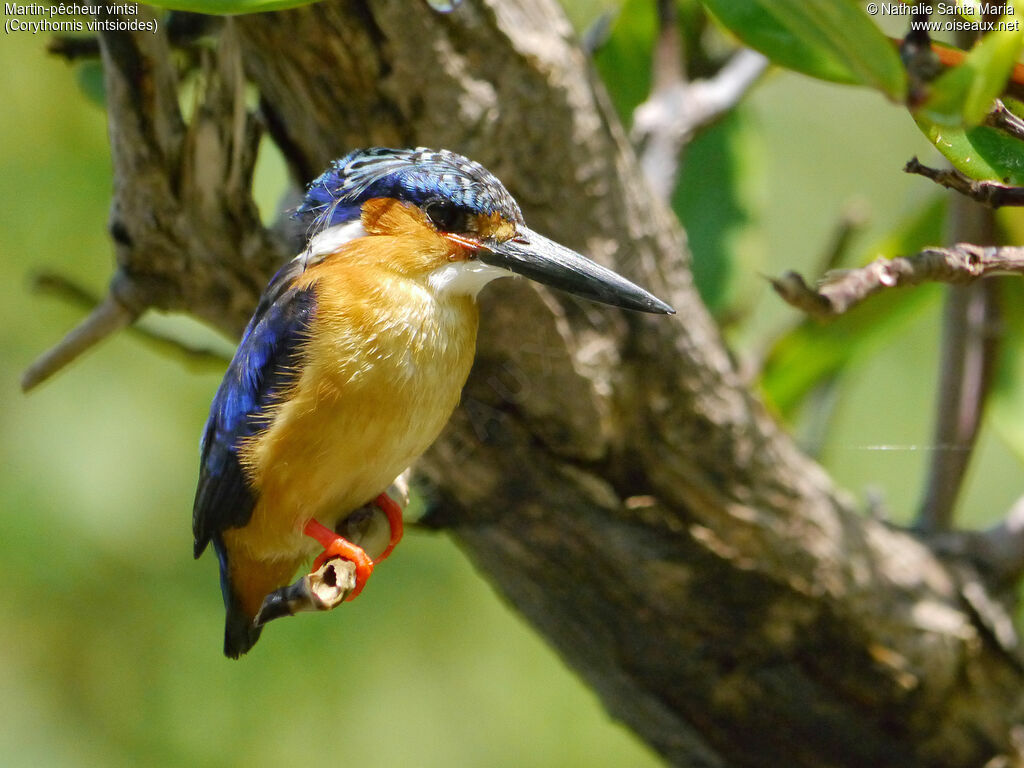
[376, 527]
[342, 569]
[325, 588]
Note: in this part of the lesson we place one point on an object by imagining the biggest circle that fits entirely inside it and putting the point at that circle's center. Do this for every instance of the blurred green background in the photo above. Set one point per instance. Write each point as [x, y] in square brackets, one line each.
[110, 633]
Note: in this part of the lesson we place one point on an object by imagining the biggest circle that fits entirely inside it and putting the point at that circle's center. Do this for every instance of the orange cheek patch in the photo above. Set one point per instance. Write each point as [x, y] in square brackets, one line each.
[494, 226]
[386, 216]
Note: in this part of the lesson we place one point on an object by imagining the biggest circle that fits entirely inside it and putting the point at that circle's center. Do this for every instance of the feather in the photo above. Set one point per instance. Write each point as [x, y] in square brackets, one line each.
[264, 365]
[413, 175]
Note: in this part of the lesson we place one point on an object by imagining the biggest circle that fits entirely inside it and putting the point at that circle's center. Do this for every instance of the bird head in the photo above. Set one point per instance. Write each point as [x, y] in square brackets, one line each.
[448, 221]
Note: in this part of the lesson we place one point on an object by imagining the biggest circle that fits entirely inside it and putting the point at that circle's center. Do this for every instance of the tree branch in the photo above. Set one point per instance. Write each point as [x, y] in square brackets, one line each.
[108, 317]
[1003, 119]
[182, 207]
[819, 407]
[965, 375]
[990, 193]
[677, 109]
[969, 346]
[968, 352]
[193, 357]
[841, 290]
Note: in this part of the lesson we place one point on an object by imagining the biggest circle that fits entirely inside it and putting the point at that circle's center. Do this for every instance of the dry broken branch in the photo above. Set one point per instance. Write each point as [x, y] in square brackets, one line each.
[108, 317]
[841, 290]
[191, 356]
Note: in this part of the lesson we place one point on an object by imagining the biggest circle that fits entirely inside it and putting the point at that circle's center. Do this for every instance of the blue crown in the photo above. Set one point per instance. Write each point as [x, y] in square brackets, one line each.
[413, 175]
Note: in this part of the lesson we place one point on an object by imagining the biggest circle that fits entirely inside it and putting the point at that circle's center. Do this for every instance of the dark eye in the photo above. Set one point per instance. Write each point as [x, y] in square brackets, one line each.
[447, 217]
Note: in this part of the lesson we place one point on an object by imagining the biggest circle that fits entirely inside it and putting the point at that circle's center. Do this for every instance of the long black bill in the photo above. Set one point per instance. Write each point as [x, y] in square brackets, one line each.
[538, 258]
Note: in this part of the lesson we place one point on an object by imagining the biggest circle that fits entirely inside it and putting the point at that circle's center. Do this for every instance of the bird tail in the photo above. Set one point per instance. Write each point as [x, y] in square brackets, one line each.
[240, 631]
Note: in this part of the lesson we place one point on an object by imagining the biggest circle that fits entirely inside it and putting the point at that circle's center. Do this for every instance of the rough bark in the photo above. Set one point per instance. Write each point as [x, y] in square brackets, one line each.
[611, 474]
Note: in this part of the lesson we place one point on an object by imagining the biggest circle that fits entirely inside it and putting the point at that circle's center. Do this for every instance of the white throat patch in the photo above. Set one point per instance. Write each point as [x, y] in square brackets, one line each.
[459, 278]
[464, 278]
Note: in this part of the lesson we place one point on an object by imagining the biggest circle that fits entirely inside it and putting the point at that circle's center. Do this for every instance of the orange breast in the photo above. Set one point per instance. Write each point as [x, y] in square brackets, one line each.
[384, 367]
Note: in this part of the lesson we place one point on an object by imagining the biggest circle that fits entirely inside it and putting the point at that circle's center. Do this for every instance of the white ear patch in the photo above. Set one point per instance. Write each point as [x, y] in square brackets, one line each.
[330, 240]
[464, 278]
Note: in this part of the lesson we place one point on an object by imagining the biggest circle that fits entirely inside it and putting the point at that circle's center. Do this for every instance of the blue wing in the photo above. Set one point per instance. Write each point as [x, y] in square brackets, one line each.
[265, 364]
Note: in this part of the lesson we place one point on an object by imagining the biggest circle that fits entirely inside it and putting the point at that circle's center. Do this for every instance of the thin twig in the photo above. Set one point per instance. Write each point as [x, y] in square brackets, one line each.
[965, 375]
[664, 123]
[841, 290]
[194, 358]
[1003, 119]
[989, 193]
[669, 64]
[108, 317]
[659, 150]
[968, 346]
[966, 367]
[852, 219]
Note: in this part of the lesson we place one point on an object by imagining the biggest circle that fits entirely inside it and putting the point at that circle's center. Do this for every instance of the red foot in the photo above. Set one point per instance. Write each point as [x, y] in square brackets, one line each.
[394, 513]
[336, 546]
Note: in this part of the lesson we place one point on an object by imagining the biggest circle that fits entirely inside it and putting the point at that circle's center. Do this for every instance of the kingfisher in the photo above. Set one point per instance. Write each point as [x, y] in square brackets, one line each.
[354, 360]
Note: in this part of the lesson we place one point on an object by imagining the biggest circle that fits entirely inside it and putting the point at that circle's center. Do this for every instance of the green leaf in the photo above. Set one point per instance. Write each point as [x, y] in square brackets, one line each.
[89, 76]
[963, 94]
[980, 152]
[1006, 403]
[721, 217]
[624, 61]
[828, 39]
[624, 58]
[813, 352]
[760, 30]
